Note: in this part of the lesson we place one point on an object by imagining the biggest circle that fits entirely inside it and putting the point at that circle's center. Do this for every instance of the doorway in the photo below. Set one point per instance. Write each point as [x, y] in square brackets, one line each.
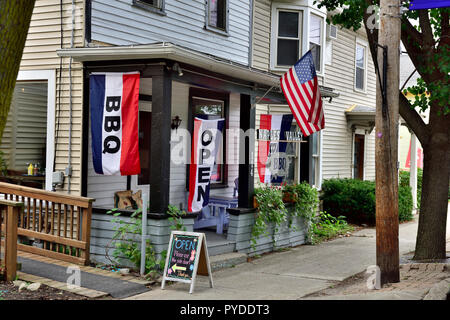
[358, 157]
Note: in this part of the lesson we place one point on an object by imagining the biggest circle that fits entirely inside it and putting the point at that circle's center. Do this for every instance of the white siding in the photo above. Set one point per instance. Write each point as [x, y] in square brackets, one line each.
[337, 138]
[119, 22]
[180, 107]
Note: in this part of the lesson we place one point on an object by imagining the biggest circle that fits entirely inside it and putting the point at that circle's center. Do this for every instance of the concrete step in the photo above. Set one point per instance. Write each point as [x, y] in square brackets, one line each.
[215, 249]
[227, 260]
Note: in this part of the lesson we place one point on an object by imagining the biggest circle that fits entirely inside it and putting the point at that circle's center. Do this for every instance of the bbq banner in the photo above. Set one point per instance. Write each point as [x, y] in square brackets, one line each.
[272, 166]
[114, 99]
[206, 141]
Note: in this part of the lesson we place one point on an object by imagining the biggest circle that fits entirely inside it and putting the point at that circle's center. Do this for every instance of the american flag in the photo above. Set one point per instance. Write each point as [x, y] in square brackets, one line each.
[301, 89]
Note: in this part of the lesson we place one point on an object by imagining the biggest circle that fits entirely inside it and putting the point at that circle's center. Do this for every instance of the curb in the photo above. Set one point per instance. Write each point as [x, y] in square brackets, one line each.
[439, 291]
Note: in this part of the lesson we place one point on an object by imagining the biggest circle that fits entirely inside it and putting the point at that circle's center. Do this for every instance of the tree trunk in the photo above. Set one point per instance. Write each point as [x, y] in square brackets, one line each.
[15, 17]
[431, 235]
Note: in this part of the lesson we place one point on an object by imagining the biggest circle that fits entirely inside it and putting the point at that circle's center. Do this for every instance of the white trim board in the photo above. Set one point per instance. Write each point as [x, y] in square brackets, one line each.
[50, 77]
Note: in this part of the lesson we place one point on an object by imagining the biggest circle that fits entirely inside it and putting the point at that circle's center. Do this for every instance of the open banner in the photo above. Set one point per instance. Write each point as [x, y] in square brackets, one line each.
[114, 99]
[206, 143]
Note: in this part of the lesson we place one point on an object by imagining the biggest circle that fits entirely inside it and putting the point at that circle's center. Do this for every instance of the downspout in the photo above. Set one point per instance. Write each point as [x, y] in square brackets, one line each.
[69, 166]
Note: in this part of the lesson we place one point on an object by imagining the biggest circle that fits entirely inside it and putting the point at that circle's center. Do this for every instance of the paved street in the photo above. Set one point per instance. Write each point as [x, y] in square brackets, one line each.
[295, 273]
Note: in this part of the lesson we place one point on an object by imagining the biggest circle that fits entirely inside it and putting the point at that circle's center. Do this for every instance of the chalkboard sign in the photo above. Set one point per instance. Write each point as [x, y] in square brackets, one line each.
[187, 256]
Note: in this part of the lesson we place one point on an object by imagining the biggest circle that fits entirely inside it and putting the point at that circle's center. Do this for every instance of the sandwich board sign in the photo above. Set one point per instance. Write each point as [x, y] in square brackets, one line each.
[187, 256]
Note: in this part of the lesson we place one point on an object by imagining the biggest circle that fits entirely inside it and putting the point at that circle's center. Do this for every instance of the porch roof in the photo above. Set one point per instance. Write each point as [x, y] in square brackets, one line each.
[166, 50]
[361, 116]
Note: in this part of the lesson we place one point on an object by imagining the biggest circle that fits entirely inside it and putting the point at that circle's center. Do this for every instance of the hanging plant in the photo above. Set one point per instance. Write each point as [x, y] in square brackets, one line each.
[271, 210]
[306, 202]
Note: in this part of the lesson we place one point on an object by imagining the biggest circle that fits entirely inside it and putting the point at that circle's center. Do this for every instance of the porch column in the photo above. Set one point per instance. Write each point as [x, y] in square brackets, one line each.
[160, 140]
[246, 164]
[413, 170]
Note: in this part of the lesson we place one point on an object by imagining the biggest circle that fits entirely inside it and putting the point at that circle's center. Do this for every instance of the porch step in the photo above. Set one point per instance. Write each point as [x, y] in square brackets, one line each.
[227, 260]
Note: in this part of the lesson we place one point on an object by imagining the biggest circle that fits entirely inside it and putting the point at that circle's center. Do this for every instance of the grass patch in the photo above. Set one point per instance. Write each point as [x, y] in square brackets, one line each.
[326, 227]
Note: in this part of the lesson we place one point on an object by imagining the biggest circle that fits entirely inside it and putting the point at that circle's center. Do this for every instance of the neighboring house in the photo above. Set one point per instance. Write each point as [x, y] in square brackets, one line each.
[285, 30]
[408, 78]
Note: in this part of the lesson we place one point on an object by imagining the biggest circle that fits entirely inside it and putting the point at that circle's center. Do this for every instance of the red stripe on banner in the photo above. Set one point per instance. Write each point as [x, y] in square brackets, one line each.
[263, 147]
[194, 164]
[129, 160]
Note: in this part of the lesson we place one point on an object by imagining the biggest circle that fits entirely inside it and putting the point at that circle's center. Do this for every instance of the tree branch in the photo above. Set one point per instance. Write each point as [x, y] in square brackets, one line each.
[427, 31]
[445, 29]
[413, 120]
[412, 32]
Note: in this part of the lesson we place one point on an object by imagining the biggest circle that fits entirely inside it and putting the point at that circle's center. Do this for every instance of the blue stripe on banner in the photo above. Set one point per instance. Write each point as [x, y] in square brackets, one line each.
[97, 100]
[286, 123]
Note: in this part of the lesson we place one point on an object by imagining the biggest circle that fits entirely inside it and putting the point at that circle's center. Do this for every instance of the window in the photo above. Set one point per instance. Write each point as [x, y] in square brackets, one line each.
[289, 42]
[360, 67]
[151, 5]
[295, 30]
[314, 179]
[315, 40]
[29, 135]
[217, 15]
[210, 109]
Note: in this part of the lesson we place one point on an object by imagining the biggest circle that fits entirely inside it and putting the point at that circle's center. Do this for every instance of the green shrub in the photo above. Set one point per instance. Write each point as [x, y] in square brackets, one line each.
[355, 199]
[352, 198]
[404, 181]
[405, 203]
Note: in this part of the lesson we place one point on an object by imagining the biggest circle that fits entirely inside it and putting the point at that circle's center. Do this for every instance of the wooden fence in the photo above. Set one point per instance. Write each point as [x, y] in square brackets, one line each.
[9, 214]
[59, 225]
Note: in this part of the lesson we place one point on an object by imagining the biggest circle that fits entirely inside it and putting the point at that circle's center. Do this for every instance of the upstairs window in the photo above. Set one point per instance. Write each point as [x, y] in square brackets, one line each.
[360, 67]
[295, 30]
[289, 42]
[151, 5]
[315, 40]
[217, 15]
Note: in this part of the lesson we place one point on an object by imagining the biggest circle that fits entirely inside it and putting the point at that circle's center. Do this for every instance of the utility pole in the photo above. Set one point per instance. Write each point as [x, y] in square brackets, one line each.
[386, 146]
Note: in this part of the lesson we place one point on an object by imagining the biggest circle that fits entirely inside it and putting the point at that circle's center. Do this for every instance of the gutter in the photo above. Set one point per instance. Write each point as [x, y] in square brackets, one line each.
[173, 52]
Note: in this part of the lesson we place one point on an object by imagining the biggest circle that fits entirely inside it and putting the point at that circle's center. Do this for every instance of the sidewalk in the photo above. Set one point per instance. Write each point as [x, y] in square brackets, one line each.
[299, 272]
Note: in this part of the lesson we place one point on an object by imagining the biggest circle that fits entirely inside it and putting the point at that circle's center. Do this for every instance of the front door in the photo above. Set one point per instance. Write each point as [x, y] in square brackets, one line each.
[358, 157]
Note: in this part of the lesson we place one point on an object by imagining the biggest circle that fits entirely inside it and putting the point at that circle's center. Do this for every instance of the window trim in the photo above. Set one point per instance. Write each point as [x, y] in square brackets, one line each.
[50, 77]
[363, 44]
[223, 32]
[142, 5]
[217, 96]
[306, 12]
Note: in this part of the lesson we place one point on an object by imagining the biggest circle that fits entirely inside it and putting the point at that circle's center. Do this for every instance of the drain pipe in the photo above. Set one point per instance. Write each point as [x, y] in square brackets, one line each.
[144, 232]
[69, 165]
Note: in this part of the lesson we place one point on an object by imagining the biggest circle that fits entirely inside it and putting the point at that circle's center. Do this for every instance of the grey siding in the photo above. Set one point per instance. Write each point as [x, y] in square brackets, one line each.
[119, 22]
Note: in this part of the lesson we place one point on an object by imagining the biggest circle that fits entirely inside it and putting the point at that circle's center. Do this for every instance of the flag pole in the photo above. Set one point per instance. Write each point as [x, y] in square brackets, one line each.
[265, 94]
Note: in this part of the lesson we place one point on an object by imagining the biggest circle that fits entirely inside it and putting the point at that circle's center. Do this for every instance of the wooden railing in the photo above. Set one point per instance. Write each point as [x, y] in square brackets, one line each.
[9, 214]
[61, 223]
